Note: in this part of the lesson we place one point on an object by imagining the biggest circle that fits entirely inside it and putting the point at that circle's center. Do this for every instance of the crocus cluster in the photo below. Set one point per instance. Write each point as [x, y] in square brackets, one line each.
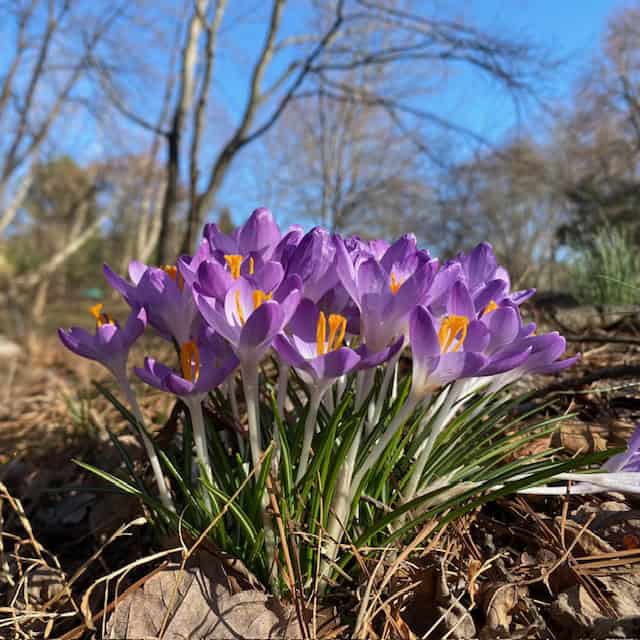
[328, 307]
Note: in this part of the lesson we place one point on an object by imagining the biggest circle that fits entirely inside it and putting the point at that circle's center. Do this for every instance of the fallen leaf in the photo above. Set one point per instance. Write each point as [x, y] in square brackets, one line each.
[499, 601]
[197, 603]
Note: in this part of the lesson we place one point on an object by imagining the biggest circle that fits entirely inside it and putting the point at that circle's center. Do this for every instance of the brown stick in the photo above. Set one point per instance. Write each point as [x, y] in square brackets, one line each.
[603, 339]
[621, 371]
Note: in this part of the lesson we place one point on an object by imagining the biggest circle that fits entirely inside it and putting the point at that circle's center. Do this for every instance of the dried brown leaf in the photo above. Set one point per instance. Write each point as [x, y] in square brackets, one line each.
[204, 607]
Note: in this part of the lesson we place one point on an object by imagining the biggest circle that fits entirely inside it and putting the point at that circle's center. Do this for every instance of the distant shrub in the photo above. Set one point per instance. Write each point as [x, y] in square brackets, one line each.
[608, 272]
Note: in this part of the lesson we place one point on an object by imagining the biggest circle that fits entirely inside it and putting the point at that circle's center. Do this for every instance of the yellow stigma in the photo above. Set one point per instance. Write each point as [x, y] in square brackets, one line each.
[492, 306]
[252, 266]
[337, 331]
[453, 329]
[101, 318]
[234, 261]
[395, 284]
[239, 307]
[172, 271]
[190, 361]
[259, 297]
[321, 334]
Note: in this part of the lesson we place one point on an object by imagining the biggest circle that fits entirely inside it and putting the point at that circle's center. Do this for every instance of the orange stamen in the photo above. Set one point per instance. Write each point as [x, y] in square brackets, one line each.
[101, 318]
[321, 334]
[453, 328]
[395, 284]
[239, 307]
[252, 266]
[492, 306]
[190, 361]
[259, 297]
[337, 331]
[172, 271]
[234, 261]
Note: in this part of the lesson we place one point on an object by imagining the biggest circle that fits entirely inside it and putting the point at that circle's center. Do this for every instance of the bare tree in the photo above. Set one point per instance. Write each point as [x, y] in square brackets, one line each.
[39, 78]
[344, 39]
[598, 139]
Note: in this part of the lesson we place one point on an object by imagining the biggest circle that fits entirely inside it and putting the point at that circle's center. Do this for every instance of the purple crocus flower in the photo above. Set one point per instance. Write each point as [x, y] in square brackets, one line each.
[438, 356]
[386, 290]
[486, 279]
[288, 244]
[254, 241]
[204, 364]
[252, 311]
[315, 344]
[110, 344]
[543, 356]
[490, 332]
[165, 295]
[628, 460]
[313, 259]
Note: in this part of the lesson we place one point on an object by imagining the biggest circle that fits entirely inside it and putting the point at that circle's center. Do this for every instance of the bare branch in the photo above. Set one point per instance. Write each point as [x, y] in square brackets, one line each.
[18, 198]
[58, 259]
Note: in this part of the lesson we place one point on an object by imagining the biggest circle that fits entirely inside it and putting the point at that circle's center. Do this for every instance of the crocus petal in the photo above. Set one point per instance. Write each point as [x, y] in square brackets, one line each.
[335, 363]
[119, 284]
[454, 366]
[505, 362]
[178, 385]
[503, 325]
[372, 278]
[369, 358]
[423, 335]
[268, 277]
[136, 270]
[79, 342]
[289, 305]
[261, 326]
[492, 291]
[518, 297]
[289, 353]
[135, 326]
[217, 319]
[559, 365]
[442, 283]
[399, 251]
[481, 264]
[304, 321]
[213, 280]
[154, 373]
[460, 303]
[477, 338]
[346, 270]
[259, 233]
[414, 290]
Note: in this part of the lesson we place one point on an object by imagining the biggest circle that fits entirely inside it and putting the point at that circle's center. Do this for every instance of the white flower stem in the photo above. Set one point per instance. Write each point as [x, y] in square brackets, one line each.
[251, 396]
[235, 412]
[340, 508]
[378, 449]
[437, 424]
[365, 382]
[194, 403]
[309, 430]
[283, 382]
[389, 377]
[163, 491]
[250, 383]
[394, 387]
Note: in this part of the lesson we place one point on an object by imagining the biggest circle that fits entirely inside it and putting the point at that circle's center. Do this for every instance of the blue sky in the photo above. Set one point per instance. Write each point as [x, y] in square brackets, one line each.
[569, 29]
